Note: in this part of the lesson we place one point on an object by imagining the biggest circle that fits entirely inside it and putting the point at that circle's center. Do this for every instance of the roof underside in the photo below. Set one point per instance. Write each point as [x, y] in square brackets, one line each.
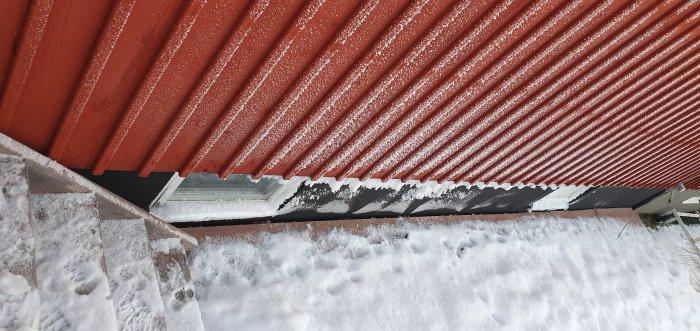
[581, 92]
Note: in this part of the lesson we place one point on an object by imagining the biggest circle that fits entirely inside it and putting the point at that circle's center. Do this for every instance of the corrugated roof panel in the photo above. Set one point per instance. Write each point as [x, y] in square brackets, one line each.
[556, 92]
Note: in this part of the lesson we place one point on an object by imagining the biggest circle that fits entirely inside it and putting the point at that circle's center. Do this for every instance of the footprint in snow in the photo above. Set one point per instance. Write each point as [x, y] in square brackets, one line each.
[375, 240]
[418, 248]
[326, 264]
[499, 318]
[463, 246]
[673, 271]
[353, 266]
[446, 244]
[357, 278]
[398, 235]
[358, 252]
[86, 288]
[336, 287]
[460, 251]
[483, 296]
[396, 266]
[298, 271]
[378, 250]
[54, 321]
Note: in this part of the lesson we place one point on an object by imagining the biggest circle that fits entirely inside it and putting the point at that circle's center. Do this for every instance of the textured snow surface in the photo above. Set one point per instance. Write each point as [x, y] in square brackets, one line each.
[532, 274]
[132, 276]
[14, 215]
[176, 288]
[18, 302]
[18, 295]
[73, 285]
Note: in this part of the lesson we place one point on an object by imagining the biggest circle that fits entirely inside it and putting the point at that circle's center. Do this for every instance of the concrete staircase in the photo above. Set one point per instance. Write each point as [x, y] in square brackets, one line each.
[74, 256]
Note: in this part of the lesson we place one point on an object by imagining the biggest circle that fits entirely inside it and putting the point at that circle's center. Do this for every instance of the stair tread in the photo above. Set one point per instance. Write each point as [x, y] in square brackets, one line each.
[132, 276]
[72, 282]
[18, 289]
[14, 213]
[48, 176]
[176, 286]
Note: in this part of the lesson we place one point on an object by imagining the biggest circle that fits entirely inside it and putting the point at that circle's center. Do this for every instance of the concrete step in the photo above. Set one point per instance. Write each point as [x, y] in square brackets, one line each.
[18, 287]
[70, 268]
[132, 276]
[54, 263]
[176, 287]
[48, 176]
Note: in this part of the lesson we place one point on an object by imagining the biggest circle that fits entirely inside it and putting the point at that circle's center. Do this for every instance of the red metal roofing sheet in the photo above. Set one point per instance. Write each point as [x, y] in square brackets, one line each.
[556, 92]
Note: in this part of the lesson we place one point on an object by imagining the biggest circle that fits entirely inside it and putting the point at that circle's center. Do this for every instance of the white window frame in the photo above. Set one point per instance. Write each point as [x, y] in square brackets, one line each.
[197, 211]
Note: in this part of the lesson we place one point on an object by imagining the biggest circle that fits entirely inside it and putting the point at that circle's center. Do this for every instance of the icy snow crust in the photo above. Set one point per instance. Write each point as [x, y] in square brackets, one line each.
[531, 274]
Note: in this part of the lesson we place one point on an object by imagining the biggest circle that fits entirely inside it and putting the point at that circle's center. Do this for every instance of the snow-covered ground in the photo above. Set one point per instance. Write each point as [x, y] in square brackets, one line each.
[552, 274]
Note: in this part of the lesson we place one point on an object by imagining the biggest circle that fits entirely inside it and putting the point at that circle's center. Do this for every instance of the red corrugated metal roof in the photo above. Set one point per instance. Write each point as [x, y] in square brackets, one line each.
[558, 92]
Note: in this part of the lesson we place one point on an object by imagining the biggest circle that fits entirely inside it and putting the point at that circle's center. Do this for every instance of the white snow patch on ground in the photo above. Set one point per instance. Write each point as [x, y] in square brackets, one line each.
[535, 274]
[18, 302]
[12, 285]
